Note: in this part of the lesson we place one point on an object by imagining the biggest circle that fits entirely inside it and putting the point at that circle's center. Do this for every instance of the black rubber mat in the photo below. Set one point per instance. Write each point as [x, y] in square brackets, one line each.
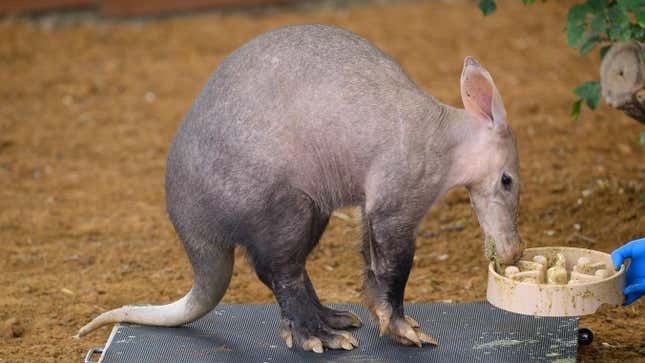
[249, 333]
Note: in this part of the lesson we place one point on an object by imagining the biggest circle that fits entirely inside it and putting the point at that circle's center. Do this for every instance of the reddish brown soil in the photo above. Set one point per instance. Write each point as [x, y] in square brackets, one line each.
[87, 112]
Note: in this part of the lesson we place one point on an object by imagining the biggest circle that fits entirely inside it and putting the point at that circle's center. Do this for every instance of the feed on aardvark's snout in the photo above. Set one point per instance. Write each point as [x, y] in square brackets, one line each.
[553, 271]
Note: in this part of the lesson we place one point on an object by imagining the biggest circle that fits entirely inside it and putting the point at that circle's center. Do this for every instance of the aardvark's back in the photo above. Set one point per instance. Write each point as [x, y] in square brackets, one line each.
[314, 104]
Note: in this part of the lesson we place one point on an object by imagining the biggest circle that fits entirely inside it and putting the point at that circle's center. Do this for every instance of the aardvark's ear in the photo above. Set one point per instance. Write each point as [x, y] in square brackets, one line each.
[480, 95]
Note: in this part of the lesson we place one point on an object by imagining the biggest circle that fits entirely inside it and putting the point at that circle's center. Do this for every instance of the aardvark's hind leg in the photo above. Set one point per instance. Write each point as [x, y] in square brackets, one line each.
[279, 257]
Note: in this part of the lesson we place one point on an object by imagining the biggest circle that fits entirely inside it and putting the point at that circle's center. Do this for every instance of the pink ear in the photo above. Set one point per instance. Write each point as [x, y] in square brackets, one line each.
[479, 94]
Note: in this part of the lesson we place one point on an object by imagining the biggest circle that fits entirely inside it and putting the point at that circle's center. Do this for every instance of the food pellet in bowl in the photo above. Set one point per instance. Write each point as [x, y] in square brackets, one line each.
[526, 271]
[541, 260]
[586, 267]
[541, 269]
[560, 260]
[530, 266]
[603, 273]
[511, 270]
[583, 261]
[557, 275]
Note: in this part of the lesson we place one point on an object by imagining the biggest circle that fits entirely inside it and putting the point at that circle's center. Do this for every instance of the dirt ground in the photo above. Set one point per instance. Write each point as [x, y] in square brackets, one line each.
[88, 109]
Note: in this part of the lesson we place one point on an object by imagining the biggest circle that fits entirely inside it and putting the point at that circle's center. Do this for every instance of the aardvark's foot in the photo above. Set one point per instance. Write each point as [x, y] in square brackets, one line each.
[403, 329]
[315, 336]
[339, 319]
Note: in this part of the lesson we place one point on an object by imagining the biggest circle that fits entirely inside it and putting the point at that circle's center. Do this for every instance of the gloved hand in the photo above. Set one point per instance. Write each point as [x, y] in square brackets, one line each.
[635, 250]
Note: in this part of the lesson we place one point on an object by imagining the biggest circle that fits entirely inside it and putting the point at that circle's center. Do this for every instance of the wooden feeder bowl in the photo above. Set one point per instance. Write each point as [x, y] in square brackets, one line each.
[578, 299]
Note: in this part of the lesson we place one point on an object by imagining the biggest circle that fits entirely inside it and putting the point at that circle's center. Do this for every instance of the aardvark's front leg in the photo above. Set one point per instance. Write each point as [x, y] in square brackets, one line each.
[388, 249]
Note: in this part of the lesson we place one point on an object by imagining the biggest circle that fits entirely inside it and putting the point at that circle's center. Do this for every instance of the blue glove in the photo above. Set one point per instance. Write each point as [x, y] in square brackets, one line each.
[635, 271]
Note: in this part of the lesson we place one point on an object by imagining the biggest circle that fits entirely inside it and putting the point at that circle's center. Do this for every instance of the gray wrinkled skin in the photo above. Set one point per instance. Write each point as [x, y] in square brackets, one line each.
[306, 119]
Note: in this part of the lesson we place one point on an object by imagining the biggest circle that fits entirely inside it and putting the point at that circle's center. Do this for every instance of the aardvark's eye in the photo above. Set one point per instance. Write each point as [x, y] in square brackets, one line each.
[507, 181]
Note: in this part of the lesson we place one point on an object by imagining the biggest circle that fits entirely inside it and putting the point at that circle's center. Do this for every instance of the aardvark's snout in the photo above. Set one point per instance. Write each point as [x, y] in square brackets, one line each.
[507, 251]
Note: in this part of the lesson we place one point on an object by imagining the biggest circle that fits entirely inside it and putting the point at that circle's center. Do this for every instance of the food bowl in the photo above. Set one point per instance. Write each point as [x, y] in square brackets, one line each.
[577, 299]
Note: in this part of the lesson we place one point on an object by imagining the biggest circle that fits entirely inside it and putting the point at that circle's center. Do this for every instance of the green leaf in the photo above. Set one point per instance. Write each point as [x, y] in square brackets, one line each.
[619, 23]
[637, 7]
[487, 6]
[640, 17]
[604, 51]
[597, 6]
[528, 2]
[589, 44]
[618, 16]
[599, 24]
[578, 14]
[575, 35]
[631, 4]
[638, 33]
[641, 140]
[590, 92]
[613, 33]
[576, 24]
[575, 110]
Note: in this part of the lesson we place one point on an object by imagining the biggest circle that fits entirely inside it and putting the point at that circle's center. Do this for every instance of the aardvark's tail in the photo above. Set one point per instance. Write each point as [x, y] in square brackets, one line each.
[212, 276]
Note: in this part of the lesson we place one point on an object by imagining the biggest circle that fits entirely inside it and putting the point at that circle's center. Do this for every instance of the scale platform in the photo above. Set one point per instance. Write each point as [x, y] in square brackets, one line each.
[249, 333]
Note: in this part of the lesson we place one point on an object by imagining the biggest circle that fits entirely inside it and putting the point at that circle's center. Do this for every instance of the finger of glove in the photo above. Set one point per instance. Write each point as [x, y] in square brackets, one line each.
[638, 288]
[632, 297]
[620, 254]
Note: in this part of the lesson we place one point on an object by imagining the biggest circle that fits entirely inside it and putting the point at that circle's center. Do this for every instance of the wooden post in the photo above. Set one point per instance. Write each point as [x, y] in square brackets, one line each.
[19, 6]
[128, 8]
[622, 78]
